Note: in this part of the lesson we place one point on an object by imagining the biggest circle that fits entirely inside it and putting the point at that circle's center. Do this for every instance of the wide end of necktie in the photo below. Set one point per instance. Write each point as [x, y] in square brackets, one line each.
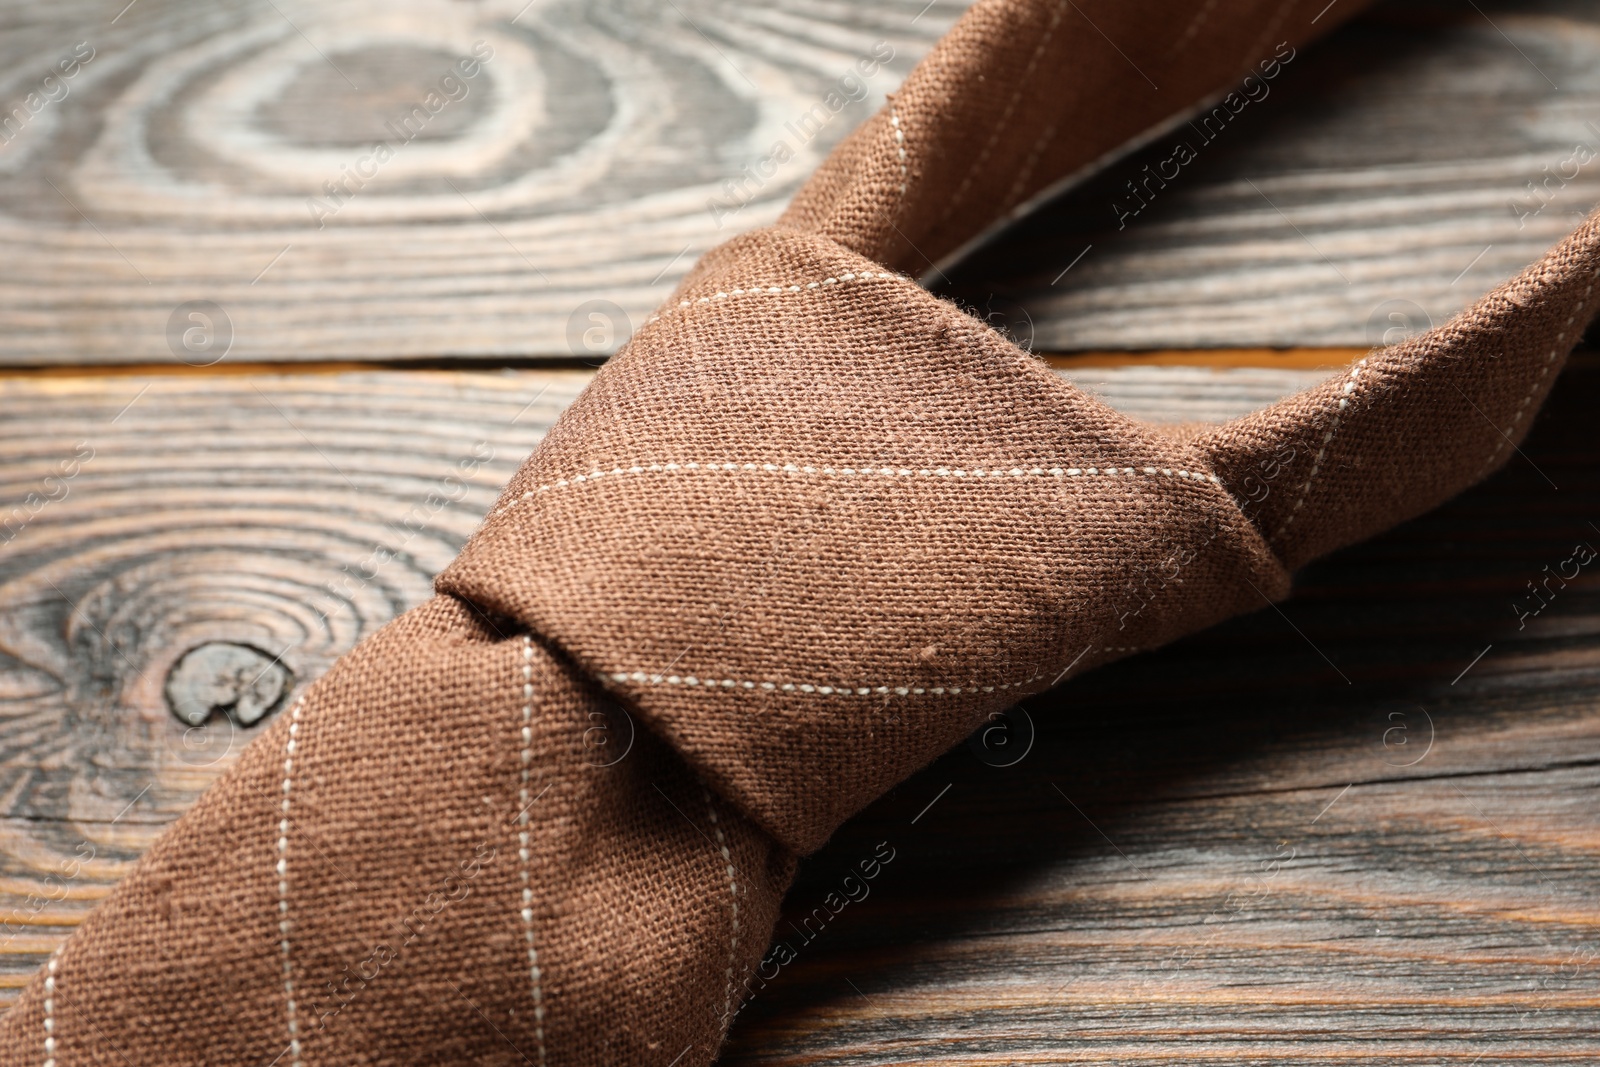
[427, 859]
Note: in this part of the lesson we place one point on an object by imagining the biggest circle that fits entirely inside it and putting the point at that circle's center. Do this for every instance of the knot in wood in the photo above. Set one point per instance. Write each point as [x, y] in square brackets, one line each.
[220, 677]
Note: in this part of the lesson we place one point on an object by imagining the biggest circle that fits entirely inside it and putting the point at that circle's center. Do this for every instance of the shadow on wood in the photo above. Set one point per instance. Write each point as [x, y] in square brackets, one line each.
[1381, 181]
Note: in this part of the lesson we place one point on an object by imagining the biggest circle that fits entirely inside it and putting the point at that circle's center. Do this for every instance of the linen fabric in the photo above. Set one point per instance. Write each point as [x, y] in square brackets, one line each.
[809, 529]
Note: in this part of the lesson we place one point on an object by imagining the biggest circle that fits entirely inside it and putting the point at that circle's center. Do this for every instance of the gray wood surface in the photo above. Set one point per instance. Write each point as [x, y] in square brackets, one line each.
[187, 161]
[1380, 185]
[1190, 394]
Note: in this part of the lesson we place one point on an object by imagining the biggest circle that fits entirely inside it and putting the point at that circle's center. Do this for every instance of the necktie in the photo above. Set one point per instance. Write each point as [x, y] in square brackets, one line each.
[810, 529]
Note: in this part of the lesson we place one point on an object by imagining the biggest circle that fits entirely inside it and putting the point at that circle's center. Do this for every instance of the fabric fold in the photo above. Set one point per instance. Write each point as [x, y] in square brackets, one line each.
[815, 525]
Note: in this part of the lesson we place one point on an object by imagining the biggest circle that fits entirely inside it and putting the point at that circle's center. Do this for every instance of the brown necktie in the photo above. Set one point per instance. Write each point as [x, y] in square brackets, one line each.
[805, 533]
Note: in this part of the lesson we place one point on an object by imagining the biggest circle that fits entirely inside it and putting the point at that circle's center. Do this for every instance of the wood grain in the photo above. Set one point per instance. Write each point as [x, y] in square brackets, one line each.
[1380, 185]
[145, 520]
[1190, 393]
[1174, 873]
[187, 160]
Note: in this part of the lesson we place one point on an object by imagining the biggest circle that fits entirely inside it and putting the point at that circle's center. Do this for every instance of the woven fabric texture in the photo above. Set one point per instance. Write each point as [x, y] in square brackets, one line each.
[810, 528]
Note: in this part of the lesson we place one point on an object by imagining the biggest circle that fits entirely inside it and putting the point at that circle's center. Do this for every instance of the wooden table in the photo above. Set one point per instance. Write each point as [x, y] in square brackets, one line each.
[1362, 827]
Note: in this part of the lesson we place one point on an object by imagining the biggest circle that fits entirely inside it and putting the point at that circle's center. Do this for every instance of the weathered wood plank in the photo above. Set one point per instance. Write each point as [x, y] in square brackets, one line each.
[1384, 179]
[1190, 394]
[595, 150]
[1381, 184]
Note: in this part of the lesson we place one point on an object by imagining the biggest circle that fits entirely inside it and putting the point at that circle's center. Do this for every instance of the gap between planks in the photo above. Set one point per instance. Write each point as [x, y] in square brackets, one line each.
[1266, 358]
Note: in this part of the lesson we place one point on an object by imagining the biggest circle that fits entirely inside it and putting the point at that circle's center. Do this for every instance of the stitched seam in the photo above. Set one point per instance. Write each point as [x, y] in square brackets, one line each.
[50, 1011]
[1322, 453]
[1005, 117]
[733, 898]
[524, 843]
[290, 1014]
[710, 684]
[841, 690]
[1027, 167]
[1279, 17]
[899, 146]
[1193, 28]
[1549, 362]
[788, 287]
[849, 472]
